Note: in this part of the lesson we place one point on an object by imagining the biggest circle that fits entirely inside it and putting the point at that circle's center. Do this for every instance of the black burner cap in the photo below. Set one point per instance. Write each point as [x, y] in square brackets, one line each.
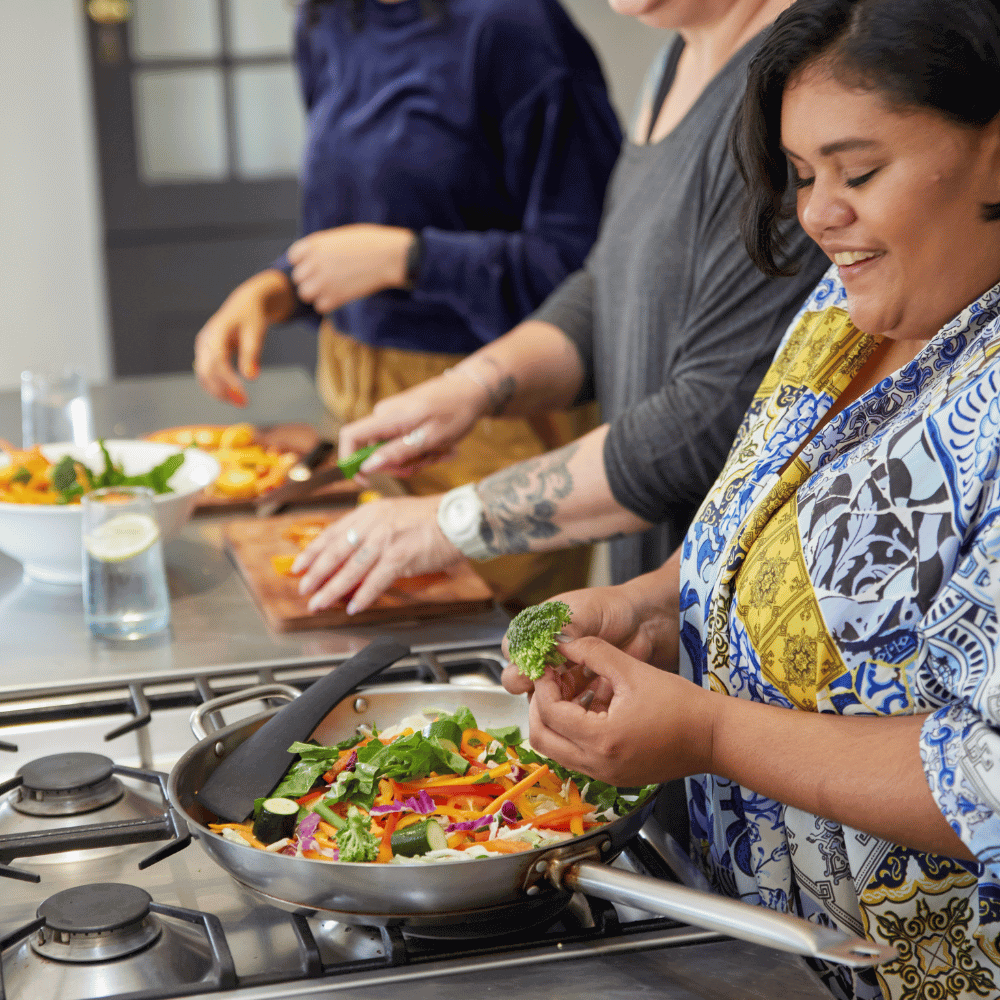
[63, 772]
[92, 909]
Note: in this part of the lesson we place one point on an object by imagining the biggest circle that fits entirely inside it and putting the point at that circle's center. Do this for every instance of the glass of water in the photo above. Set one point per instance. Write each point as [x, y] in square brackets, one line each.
[124, 582]
[55, 406]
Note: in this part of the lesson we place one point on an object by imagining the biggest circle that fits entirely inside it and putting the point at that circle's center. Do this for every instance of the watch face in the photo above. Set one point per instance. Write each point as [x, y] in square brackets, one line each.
[460, 511]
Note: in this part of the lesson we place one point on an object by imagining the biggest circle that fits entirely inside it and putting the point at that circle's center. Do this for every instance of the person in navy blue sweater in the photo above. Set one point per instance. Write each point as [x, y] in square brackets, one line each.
[457, 157]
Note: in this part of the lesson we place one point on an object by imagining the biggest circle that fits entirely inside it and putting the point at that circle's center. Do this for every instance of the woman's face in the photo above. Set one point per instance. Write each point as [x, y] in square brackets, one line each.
[673, 14]
[895, 199]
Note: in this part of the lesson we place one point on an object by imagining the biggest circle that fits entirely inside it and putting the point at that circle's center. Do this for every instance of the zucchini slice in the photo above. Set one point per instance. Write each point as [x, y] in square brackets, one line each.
[419, 838]
[446, 730]
[275, 820]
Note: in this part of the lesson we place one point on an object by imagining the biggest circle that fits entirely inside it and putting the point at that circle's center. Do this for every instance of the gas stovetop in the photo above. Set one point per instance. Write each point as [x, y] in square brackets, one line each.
[104, 894]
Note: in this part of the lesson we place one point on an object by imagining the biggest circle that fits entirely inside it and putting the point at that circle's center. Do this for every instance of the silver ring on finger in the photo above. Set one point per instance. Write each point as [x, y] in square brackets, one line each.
[353, 538]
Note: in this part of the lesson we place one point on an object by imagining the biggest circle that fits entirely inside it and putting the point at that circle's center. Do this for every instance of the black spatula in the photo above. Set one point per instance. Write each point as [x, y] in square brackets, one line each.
[256, 766]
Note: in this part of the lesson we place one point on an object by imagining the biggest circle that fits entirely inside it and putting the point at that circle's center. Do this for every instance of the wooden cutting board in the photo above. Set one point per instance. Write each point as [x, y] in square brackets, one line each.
[252, 541]
[298, 438]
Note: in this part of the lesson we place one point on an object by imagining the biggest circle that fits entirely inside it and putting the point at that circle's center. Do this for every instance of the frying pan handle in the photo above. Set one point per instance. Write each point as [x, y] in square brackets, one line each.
[758, 924]
[258, 693]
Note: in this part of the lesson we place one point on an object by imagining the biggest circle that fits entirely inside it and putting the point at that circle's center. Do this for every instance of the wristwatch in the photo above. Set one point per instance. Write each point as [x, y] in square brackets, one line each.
[460, 518]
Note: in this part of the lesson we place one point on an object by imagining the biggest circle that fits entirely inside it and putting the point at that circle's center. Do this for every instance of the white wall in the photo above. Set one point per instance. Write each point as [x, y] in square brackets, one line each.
[53, 310]
[52, 302]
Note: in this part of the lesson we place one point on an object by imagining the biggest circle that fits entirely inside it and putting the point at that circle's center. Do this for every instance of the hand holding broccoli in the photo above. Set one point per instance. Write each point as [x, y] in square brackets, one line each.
[531, 637]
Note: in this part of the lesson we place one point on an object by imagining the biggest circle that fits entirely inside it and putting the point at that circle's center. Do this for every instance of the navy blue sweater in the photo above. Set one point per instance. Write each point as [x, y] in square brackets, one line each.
[488, 130]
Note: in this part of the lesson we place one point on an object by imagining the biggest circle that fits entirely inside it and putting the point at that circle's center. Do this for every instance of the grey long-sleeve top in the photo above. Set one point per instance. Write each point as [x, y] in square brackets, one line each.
[675, 325]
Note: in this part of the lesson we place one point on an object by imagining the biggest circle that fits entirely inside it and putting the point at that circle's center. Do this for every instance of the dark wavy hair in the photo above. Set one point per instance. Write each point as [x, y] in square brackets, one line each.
[433, 10]
[938, 55]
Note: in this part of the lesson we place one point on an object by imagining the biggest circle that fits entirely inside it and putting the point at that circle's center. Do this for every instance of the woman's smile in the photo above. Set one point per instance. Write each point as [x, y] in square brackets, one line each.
[895, 197]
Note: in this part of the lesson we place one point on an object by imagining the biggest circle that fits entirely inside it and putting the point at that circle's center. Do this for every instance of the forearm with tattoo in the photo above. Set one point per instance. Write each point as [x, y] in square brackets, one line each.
[520, 503]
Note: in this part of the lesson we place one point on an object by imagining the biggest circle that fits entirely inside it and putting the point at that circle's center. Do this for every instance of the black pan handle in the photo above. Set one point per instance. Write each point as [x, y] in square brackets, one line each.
[256, 766]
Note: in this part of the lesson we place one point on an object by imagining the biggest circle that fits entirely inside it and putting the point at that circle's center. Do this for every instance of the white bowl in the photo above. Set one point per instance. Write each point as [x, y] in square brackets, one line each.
[45, 538]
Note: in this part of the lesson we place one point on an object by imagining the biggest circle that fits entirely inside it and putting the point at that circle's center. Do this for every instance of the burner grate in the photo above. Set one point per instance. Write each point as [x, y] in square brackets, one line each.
[112, 834]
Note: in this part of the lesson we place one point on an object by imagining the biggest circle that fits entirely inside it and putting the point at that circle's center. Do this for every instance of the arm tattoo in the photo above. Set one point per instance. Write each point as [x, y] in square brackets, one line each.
[519, 503]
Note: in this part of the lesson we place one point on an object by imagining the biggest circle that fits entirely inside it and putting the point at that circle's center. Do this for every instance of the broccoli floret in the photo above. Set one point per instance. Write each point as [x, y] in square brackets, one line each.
[531, 637]
[355, 841]
[22, 476]
[64, 474]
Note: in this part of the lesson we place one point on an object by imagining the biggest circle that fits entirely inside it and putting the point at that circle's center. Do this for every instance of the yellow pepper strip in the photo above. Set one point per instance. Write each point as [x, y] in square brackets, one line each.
[409, 819]
[245, 830]
[457, 839]
[384, 792]
[516, 790]
[493, 774]
[524, 807]
[576, 823]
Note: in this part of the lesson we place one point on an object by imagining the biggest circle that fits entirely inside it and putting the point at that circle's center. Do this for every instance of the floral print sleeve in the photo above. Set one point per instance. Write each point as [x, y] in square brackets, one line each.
[960, 742]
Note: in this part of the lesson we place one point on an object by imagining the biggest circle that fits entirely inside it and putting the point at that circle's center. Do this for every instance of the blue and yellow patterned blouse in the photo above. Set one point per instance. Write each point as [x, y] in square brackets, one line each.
[859, 581]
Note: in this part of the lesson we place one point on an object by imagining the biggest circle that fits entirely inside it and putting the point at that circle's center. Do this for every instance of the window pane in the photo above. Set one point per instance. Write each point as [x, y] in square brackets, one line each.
[180, 125]
[176, 29]
[270, 122]
[261, 27]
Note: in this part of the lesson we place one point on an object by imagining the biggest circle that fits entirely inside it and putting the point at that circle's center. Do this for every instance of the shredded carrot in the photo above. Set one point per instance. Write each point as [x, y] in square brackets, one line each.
[517, 789]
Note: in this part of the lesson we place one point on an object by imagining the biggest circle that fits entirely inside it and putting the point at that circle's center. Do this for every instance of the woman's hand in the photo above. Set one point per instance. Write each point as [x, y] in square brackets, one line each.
[335, 266]
[420, 425]
[367, 550]
[238, 328]
[655, 726]
[616, 616]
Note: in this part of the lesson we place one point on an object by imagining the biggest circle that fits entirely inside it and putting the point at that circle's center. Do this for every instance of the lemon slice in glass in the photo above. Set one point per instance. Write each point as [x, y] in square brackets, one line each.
[123, 537]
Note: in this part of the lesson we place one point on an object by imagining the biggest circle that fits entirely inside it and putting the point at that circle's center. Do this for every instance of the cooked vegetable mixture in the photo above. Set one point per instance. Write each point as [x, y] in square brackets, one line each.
[31, 478]
[434, 788]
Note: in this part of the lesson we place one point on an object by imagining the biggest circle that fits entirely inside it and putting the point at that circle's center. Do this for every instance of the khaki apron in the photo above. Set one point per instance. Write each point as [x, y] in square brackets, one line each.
[352, 377]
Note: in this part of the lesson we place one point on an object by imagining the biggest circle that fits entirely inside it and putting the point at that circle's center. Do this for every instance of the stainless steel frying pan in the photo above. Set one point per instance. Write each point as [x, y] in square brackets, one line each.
[517, 888]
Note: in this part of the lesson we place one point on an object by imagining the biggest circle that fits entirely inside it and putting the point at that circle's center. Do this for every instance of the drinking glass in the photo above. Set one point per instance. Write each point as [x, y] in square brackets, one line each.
[124, 583]
[55, 406]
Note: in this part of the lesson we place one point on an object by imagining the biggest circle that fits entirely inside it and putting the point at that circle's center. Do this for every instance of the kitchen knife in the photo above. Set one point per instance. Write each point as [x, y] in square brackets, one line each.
[304, 477]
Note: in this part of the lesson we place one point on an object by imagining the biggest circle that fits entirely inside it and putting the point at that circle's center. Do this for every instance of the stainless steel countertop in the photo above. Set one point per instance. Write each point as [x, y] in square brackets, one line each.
[214, 619]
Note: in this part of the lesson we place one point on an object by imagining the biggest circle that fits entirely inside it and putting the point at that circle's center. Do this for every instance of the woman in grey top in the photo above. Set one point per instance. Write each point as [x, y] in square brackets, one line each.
[668, 325]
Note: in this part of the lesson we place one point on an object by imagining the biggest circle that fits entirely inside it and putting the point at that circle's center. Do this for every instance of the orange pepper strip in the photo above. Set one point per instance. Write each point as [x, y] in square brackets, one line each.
[472, 804]
[563, 812]
[474, 742]
[507, 846]
[576, 823]
[385, 848]
[456, 839]
[564, 824]
[516, 790]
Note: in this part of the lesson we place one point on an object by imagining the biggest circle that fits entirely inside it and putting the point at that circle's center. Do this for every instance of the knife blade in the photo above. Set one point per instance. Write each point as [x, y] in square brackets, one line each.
[303, 477]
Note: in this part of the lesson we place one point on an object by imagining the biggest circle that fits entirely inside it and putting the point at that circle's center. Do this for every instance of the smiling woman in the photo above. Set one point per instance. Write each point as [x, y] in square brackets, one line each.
[831, 612]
